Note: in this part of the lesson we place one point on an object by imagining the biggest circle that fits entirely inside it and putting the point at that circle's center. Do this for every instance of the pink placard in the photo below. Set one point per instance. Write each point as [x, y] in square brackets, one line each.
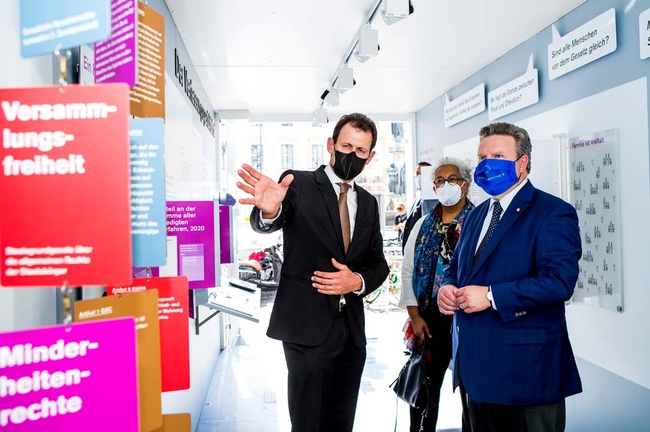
[82, 378]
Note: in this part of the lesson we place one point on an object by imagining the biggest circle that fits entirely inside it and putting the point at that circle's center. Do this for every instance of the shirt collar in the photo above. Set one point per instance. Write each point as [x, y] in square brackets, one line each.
[334, 178]
[507, 199]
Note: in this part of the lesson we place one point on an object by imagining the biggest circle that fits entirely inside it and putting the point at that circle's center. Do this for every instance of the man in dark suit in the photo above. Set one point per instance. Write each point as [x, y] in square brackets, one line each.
[331, 263]
[415, 213]
[515, 265]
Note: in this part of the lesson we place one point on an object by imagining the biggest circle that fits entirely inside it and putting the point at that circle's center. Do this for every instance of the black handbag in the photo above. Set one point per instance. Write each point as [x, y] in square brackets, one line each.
[412, 384]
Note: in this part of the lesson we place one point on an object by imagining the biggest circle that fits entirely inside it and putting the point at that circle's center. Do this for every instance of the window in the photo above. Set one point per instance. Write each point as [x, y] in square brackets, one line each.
[287, 156]
[316, 155]
[257, 157]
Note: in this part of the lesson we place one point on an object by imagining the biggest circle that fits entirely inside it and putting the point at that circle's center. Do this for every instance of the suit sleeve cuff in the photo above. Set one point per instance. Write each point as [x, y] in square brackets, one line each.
[363, 285]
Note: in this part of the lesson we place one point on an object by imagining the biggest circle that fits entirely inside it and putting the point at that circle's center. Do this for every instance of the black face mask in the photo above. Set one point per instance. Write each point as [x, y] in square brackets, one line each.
[347, 165]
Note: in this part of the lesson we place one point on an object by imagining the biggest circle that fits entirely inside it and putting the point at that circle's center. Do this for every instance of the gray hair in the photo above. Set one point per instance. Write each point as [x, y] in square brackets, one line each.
[522, 140]
[463, 166]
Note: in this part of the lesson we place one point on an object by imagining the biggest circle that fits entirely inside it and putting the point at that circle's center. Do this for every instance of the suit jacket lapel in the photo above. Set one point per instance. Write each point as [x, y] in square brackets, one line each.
[331, 202]
[516, 208]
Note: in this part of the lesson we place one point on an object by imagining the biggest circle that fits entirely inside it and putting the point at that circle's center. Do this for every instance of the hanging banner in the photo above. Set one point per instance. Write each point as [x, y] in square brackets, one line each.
[64, 186]
[192, 224]
[46, 25]
[144, 307]
[173, 303]
[115, 57]
[59, 378]
[148, 191]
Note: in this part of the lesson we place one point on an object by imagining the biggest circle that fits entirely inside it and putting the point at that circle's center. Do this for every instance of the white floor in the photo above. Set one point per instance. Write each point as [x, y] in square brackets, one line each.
[248, 389]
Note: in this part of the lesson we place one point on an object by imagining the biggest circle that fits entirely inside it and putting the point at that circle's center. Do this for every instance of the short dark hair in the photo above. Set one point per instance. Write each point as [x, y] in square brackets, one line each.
[522, 140]
[358, 121]
[424, 163]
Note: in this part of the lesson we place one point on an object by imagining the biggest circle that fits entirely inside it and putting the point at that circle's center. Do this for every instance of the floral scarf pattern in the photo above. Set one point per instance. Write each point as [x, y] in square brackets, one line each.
[434, 249]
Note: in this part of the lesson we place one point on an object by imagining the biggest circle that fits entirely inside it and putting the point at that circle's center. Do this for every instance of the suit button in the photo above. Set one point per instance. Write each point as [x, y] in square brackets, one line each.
[516, 314]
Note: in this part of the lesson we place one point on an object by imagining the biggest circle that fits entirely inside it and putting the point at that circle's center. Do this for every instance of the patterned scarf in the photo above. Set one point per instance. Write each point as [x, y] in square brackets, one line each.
[434, 249]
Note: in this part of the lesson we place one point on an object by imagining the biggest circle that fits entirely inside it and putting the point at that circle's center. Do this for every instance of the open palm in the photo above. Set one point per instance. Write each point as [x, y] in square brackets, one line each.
[266, 194]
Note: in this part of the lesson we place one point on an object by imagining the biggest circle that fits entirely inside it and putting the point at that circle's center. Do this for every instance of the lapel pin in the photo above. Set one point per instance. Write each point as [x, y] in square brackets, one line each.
[518, 209]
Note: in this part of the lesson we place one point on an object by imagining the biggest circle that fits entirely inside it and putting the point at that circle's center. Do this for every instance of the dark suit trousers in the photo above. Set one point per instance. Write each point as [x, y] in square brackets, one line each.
[324, 381]
[487, 417]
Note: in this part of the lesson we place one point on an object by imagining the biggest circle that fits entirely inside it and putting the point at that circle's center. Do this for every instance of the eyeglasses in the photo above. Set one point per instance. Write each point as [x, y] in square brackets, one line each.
[453, 180]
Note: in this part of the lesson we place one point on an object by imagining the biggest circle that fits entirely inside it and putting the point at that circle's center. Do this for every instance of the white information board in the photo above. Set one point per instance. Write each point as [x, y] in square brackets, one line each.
[594, 193]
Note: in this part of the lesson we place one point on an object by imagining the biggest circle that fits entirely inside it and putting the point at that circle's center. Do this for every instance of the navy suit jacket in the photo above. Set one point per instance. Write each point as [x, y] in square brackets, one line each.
[312, 237]
[519, 354]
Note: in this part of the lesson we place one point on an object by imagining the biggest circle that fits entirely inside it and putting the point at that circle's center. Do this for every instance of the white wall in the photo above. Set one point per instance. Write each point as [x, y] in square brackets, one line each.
[612, 348]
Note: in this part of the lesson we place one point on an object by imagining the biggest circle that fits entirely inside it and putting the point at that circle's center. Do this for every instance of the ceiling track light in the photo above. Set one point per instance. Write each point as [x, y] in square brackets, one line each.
[331, 97]
[320, 117]
[393, 11]
[344, 79]
[364, 45]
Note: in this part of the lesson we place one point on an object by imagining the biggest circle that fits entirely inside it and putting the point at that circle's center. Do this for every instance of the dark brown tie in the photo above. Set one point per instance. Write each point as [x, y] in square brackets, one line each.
[344, 214]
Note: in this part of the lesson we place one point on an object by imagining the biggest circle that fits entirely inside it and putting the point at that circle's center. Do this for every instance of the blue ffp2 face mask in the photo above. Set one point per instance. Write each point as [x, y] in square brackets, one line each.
[495, 176]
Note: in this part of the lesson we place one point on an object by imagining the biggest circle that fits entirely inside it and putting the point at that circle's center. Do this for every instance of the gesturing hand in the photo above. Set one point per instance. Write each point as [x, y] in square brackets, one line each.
[267, 195]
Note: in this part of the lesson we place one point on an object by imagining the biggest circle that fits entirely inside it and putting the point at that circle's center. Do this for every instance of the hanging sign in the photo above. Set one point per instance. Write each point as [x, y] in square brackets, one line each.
[46, 25]
[148, 96]
[148, 192]
[144, 307]
[59, 378]
[116, 57]
[173, 303]
[64, 186]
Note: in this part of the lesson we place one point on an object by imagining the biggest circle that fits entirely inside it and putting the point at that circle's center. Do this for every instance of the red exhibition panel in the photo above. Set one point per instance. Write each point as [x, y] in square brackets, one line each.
[64, 186]
[173, 303]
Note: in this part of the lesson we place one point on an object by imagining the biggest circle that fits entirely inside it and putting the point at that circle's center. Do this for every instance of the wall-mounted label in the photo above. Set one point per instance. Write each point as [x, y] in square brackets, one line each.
[517, 94]
[46, 25]
[173, 304]
[116, 57]
[192, 223]
[59, 378]
[64, 186]
[644, 34]
[587, 43]
[148, 96]
[148, 191]
[465, 106]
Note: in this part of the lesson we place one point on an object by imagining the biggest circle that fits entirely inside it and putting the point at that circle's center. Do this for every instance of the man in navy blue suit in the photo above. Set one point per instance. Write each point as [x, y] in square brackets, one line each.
[515, 265]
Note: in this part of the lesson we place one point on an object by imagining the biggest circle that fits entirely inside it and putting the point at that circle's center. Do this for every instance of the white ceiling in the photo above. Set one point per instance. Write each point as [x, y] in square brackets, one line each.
[275, 58]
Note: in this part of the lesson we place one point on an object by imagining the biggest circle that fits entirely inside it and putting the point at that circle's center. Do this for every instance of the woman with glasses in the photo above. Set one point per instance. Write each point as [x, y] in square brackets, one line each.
[426, 257]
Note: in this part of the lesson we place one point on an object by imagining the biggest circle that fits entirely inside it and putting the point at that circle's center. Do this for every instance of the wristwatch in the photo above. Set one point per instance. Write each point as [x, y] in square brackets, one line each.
[489, 296]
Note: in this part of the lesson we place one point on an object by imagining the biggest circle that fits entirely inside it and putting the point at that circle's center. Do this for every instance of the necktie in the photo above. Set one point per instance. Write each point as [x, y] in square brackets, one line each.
[344, 214]
[496, 213]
